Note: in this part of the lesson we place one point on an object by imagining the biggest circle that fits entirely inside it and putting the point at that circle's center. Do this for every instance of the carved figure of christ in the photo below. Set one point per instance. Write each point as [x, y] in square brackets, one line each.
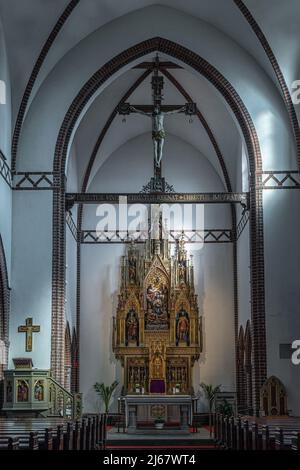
[157, 114]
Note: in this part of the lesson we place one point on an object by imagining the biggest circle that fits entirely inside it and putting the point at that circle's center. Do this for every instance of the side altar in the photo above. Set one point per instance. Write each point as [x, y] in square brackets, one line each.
[157, 331]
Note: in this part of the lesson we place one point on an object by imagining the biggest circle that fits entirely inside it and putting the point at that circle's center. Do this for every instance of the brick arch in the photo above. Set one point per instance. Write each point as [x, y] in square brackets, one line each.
[75, 361]
[277, 70]
[34, 74]
[4, 303]
[240, 372]
[67, 358]
[248, 367]
[256, 207]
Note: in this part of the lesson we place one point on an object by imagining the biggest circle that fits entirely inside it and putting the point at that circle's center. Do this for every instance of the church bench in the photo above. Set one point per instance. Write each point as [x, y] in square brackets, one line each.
[231, 434]
[295, 444]
[267, 437]
[284, 438]
[227, 439]
[247, 435]
[47, 439]
[256, 437]
[93, 432]
[102, 431]
[76, 435]
[9, 443]
[27, 440]
[257, 433]
[85, 434]
[239, 435]
[263, 436]
[217, 421]
[68, 437]
[88, 440]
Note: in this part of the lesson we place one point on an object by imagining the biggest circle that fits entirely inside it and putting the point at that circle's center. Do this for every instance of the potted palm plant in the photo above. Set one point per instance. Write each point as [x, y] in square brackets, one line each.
[105, 392]
[225, 408]
[210, 394]
[159, 422]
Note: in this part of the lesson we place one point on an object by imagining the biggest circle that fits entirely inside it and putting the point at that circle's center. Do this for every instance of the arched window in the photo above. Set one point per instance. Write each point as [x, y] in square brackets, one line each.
[273, 397]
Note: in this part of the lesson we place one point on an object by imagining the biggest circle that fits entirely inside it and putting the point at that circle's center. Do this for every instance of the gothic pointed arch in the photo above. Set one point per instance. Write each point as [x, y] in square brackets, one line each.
[273, 397]
[243, 117]
[74, 357]
[248, 367]
[68, 358]
[241, 370]
[4, 309]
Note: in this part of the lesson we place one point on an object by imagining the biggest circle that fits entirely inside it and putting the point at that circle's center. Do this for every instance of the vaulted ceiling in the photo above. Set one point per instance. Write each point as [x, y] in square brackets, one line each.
[27, 25]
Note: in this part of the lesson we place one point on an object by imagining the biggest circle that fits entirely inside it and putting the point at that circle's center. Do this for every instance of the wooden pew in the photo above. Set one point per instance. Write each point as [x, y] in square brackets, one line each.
[216, 427]
[83, 430]
[296, 441]
[103, 437]
[268, 442]
[232, 432]
[68, 437]
[88, 441]
[76, 436]
[59, 438]
[48, 444]
[33, 434]
[239, 435]
[9, 443]
[256, 437]
[247, 435]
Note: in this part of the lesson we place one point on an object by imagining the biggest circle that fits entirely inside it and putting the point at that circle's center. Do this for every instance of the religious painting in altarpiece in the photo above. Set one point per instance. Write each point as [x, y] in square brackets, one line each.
[156, 330]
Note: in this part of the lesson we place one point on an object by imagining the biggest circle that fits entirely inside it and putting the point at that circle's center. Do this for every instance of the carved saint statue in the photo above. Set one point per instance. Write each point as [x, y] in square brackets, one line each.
[39, 391]
[157, 307]
[182, 333]
[132, 269]
[22, 391]
[157, 367]
[132, 326]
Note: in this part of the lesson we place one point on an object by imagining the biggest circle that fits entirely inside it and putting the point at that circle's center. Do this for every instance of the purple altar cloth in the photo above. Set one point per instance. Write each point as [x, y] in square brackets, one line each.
[157, 386]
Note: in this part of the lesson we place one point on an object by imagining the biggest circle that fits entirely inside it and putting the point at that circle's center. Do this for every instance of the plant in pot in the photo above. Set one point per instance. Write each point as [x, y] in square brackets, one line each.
[159, 422]
[225, 408]
[105, 392]
[210, 393]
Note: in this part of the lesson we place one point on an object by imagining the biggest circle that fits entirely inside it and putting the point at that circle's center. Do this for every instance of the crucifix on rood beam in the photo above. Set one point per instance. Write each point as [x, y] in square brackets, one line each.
[157, 112]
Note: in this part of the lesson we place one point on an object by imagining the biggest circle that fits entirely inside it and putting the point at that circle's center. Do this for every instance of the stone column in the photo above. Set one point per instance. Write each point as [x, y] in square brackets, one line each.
[132, 410]
[184, 414]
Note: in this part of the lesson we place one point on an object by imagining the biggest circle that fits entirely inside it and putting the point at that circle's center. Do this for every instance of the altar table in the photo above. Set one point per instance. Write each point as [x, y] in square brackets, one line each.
[182, 402]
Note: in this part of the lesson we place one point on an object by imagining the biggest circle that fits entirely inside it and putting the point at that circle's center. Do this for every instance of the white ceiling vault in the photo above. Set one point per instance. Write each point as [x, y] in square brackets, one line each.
[95, 32]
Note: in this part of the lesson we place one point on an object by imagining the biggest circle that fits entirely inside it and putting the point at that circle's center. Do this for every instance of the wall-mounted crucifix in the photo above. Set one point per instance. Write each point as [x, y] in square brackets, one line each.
[29, 329]
[157, 112]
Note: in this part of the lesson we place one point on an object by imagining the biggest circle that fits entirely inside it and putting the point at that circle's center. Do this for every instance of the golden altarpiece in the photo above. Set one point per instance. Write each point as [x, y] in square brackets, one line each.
[156, 331]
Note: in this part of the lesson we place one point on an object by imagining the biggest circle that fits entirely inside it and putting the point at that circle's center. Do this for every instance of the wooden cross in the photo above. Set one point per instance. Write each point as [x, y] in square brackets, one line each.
[29, 328]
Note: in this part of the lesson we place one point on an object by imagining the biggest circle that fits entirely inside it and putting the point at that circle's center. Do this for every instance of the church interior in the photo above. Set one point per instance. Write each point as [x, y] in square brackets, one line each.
[149, 224]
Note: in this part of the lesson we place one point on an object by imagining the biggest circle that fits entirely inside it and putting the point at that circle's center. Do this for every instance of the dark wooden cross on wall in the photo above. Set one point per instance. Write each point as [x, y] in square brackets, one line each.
[157, 111]
[29, 329]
